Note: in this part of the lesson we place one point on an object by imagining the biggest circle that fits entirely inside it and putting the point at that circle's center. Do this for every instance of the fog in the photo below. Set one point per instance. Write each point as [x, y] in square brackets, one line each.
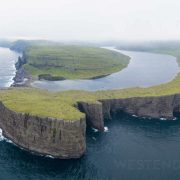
[90, 19]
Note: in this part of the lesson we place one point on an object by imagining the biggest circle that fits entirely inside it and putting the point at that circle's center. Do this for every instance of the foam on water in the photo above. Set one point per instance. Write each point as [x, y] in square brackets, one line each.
[95, 130]
[2, 138]
[106, 129]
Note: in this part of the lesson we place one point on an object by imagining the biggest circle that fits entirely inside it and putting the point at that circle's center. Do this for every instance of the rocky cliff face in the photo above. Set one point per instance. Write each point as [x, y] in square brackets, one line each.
[59, 138]
[151, 107]
[94, 114]
[67, 139]
[22, 78]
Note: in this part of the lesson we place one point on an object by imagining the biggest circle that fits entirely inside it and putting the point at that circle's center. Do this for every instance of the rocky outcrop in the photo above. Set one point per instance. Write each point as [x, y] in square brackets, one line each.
[21, 61]
[94, 114]
[22, 78]
[49, 77]
[150, 107]
[58, 138]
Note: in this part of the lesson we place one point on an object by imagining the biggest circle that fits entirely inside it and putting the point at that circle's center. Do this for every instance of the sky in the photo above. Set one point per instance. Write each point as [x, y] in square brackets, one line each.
[71, 20]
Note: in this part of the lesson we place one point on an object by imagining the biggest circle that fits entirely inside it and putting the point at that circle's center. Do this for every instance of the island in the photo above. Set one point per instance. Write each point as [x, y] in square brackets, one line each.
[54, 124]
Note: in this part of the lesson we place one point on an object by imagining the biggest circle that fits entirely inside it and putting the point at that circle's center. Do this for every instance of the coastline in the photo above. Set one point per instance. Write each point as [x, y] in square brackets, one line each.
[24, 79]
[65, 139]
[47, 128]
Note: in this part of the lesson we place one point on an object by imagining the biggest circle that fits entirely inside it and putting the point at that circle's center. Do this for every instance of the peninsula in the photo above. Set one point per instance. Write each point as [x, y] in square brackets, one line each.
[60, 62]
[55, 123]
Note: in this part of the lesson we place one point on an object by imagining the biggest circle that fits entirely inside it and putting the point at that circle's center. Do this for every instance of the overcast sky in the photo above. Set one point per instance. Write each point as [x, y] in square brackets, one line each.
[90, 19]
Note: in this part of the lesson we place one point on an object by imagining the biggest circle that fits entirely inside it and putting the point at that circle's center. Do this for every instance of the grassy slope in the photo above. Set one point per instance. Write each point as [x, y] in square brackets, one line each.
[73, 62]
[61, 105]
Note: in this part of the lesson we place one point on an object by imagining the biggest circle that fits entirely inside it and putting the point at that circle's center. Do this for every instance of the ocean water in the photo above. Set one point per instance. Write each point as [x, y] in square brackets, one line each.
[130, 149]
[7, 66]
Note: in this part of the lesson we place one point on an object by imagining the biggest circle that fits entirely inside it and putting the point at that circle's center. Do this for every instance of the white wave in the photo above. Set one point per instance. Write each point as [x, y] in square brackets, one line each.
[163, 119]
[106, 129]
[95, 130]
[2, 138]
[49, 156]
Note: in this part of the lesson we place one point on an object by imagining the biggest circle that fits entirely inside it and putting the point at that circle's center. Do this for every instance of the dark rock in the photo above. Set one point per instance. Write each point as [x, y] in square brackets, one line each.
[149, 107]
[21, 61]
[152, 107]
[94, 115]
[49, 77]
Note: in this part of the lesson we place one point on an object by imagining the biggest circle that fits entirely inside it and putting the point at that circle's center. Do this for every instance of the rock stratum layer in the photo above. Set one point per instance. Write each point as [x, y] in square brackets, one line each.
[149, 107]
[67, 139]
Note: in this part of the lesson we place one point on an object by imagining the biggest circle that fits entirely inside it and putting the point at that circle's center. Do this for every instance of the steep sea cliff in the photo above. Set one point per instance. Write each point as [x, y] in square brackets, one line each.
[67, 139]
[47, 136]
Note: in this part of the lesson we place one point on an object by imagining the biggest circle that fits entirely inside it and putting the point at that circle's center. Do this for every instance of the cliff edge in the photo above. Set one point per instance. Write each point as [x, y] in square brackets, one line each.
[67, 139]
[47, 136]
[148, 107]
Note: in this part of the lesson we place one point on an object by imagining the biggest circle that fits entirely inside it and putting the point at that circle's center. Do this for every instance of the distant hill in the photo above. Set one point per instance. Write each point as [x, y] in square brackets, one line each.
[21, 45]
[5, 43]
[150, 46]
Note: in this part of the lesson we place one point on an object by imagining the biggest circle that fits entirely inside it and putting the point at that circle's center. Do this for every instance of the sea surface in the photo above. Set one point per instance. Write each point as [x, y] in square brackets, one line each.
[7, 66]
[130, 149]
[144, 70]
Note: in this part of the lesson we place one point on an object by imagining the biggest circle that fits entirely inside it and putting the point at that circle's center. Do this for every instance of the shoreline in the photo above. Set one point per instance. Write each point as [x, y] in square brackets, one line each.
[24, 79]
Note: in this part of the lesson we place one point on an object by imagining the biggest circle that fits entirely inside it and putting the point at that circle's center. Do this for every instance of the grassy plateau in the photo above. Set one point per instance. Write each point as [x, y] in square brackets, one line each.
[73, 62]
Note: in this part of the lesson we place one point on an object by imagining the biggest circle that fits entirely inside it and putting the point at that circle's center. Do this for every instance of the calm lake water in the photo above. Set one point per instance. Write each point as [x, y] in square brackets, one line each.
[144, 70]
[132, 149]
[7, 66]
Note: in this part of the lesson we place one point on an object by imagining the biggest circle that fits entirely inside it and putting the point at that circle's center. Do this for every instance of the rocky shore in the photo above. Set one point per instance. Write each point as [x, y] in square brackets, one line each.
[67, 139]
[22, 78]
[148, 107]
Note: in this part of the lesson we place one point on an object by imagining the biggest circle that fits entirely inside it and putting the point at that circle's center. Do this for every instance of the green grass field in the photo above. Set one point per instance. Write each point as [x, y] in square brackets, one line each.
[73, 62]
[61, 105]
